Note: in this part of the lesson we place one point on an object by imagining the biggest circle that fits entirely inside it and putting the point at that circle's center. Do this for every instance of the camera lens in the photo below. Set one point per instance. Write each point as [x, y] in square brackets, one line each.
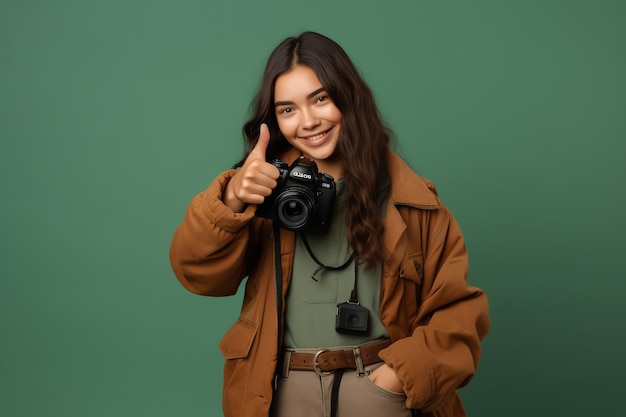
[295, 207]
[352, 319]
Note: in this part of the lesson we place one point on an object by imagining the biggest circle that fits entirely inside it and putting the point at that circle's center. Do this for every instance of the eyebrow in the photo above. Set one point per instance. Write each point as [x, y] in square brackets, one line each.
[311, 95]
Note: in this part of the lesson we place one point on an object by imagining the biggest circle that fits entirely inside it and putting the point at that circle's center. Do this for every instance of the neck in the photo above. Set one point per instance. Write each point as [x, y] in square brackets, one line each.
[330, 166]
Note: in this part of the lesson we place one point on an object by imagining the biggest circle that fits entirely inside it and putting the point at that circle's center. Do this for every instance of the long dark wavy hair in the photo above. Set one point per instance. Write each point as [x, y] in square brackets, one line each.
[364, 140]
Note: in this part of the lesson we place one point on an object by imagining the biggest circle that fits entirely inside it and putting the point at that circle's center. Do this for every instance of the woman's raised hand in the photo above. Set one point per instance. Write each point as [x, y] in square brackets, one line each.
[256, 178]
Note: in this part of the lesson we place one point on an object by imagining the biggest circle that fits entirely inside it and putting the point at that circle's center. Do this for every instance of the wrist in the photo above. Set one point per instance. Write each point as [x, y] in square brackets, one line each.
[230, 200]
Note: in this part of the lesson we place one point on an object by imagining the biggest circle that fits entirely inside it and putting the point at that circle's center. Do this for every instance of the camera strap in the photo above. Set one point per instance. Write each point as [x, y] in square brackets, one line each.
[278, 276]
[354, 298]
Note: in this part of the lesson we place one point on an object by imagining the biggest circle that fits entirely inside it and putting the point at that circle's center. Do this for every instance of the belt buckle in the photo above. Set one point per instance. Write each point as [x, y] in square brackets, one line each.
[316, 368]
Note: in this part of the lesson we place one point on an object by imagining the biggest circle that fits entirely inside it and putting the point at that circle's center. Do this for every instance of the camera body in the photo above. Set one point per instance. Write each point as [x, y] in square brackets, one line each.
[303, 197]
[351, 318]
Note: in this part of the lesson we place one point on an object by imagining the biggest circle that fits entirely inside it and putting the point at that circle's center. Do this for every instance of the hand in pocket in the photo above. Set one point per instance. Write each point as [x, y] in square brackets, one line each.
[386, 378]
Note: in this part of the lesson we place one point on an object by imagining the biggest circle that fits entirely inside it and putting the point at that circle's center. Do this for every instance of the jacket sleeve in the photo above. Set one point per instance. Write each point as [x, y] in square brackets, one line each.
[442, 352]
[210, 246]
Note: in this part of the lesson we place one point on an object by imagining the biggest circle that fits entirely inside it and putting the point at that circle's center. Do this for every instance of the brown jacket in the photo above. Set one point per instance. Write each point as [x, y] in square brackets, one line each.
[435, 319]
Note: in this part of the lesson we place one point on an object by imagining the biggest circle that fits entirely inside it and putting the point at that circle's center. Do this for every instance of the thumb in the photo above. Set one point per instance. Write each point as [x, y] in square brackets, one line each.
[258, 152]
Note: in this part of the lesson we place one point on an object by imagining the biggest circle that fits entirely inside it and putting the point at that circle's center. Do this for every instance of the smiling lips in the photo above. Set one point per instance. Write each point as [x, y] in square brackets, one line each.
[316, 139]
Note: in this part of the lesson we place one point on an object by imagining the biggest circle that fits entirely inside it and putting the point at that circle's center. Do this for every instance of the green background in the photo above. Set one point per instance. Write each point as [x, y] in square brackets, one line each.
[113, 114]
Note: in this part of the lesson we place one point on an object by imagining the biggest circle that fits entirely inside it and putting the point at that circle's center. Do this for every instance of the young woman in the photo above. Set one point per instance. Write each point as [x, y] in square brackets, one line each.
[356, 300]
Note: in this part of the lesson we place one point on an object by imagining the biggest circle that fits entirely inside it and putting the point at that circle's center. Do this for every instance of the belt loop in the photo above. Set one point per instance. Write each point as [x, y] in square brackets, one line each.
[358, 360]
[286, 361]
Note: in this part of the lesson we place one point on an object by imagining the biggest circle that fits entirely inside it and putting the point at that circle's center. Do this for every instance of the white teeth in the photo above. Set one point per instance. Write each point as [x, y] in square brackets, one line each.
[316, 137]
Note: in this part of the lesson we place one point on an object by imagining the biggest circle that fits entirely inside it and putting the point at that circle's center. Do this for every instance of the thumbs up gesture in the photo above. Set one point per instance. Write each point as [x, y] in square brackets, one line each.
[255, 180]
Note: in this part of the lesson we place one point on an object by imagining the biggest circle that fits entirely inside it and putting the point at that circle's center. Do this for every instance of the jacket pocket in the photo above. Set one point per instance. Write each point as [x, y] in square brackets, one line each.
[237, 341]
[411, 268]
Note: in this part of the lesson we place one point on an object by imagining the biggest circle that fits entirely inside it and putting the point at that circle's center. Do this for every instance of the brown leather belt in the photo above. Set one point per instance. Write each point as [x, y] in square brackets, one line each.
[325, 361]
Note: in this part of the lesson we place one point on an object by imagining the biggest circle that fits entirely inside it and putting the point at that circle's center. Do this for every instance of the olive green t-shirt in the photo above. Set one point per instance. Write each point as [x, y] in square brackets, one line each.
[311, 304]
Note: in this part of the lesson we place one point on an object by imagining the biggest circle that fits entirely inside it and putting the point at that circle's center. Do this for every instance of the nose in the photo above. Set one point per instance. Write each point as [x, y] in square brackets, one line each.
[309, 119]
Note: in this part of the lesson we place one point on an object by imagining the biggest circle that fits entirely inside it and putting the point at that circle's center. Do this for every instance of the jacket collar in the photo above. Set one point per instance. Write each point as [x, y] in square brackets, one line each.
[408, 188]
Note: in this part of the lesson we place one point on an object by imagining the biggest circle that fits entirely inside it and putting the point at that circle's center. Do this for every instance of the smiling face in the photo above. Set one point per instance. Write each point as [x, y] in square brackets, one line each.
[308, 118]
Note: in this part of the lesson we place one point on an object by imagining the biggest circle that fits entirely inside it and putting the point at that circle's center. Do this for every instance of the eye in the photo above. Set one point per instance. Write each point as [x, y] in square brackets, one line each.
[321, 99]
[285, 110]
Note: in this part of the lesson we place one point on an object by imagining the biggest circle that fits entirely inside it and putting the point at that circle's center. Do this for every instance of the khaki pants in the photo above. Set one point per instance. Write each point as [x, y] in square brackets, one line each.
[307, 394]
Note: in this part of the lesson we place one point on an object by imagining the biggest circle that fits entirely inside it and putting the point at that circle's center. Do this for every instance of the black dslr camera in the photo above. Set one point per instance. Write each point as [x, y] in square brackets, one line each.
[351, 318]
[303, 197]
